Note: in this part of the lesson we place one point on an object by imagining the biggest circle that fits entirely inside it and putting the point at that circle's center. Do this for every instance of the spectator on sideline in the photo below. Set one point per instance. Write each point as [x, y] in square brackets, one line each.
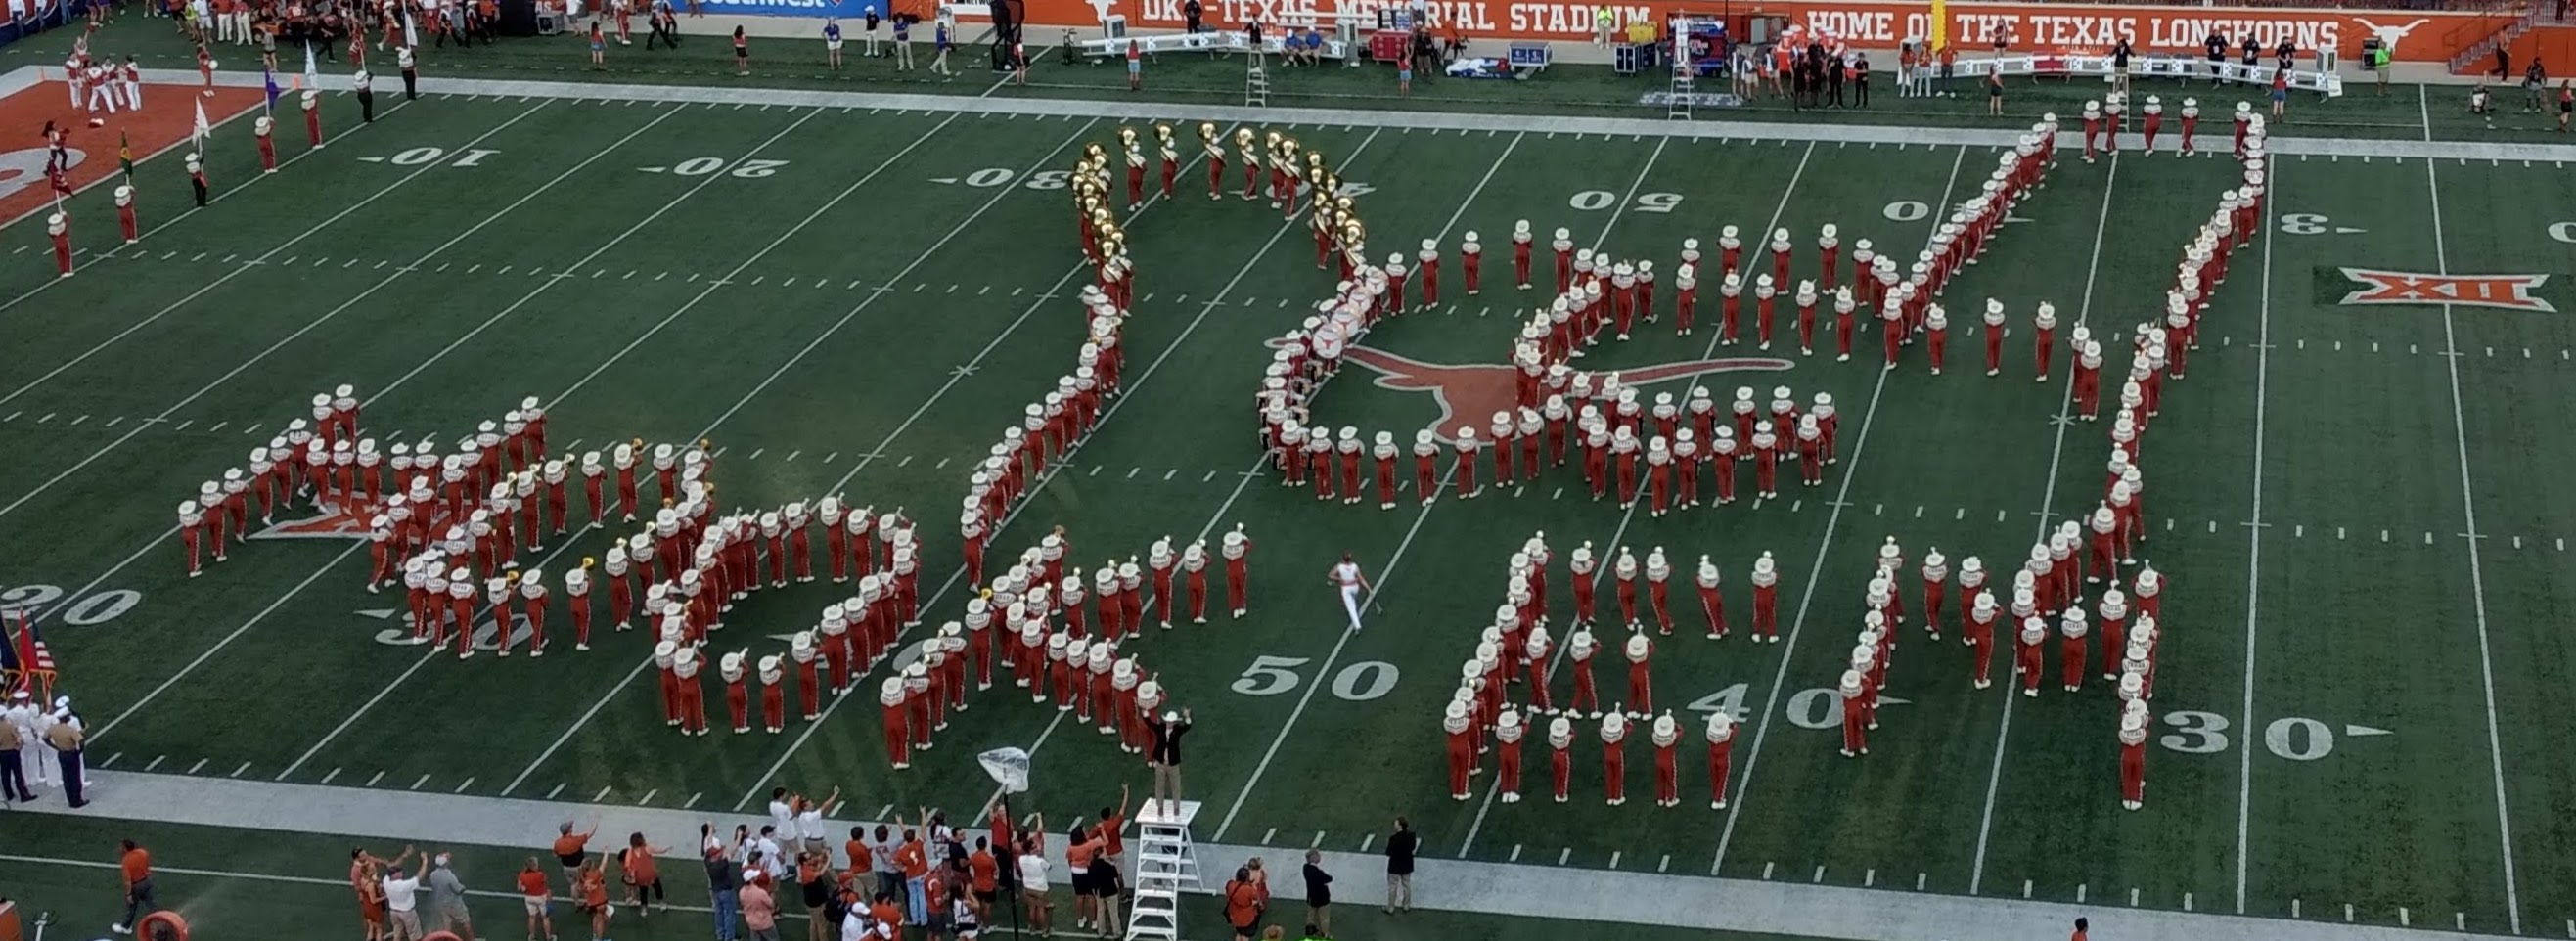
[592, 895]
[570, 847]
[538, 897]
[1032, 873]
[1242, 904]
[760, 911]
[447, 899]
[1319, 895]
[402, 900]
[642, 875]
[723, 886]
[1399, 867]
[134, 865]
[2081, 927]
[882, 862]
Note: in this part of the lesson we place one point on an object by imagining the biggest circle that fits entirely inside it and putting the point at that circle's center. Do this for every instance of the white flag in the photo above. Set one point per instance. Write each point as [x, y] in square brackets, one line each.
[202, 128]
[312, 72]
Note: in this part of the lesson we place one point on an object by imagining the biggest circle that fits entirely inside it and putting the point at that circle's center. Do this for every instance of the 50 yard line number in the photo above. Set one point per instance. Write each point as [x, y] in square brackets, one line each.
[1357, 682]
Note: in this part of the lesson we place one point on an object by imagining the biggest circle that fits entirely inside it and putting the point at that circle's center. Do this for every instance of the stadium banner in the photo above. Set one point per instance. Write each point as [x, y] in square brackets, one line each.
[845, 9]
[2416, 36]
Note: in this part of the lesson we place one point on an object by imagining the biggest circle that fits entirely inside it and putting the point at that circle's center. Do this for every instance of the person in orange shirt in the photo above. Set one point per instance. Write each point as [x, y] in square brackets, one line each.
[364, 879]
[914, 859]
[539, 899]
[885, 911]
[570, 847]
[1243, 904]
[1112, 821]
[135, 867]
[984, 878]
[1078, 850]
[861, 860]
[643, 876]
[590, 889]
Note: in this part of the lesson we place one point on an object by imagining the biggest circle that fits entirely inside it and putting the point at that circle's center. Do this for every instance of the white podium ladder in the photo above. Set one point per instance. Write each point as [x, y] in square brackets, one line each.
[1679, 108]
[1256, 84]
[1166, 865]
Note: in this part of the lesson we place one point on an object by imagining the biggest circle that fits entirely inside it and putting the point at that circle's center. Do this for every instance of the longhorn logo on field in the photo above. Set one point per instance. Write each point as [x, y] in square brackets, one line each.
[337, 521]
[1478, 390]
[2505, 291]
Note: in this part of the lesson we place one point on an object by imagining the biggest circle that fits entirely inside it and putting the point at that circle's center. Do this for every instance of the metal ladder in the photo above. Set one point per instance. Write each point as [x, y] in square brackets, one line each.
[1679, 108]
[1256, 84]
[1166, 865]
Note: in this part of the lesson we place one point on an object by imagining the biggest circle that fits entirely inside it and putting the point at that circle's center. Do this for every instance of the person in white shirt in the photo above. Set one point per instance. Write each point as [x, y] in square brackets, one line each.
[782, 810]
[809, 822]
[1352, 582]
[402, 901]
[1032, 865]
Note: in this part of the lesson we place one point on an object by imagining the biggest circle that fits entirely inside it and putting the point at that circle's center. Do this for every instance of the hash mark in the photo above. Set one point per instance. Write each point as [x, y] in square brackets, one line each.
[1167, 475]
[791, 455]
[1868, 878]
[1919, 879]
[829, 458]
[1614, 859]
[1516, 852]
[601, 796]
[379, 776]
[1566, 854]
[156, 762]
[2025, 889]
[942, 465]
[693, 800]
[1133, 471]
[424, 779]
[907, 460]
[648, 797]
[1211, 475]
[1819, 877]
[335, 772]
[219, 426]
[755, 454]
[550, 795]
[1766, 870]
[1666, 864]
[1266, 835]
[237, 772]
[460, 789]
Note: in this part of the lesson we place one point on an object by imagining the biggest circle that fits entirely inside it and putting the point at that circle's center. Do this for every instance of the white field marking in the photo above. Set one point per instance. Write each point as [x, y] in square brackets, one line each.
[335, 773]
[237, 772]
[460, 789]
[243, 268]
[155, 762]
[1126, 394]
[918, 260]
[316, 323]
[1386, 574]
[2477, 567]
[219, 645]
[2254, 534]
[346, 723]
[423, 779]
[1798, 623]
[558, 789]
[2047, 496]
[1628, 516]
[201, 763]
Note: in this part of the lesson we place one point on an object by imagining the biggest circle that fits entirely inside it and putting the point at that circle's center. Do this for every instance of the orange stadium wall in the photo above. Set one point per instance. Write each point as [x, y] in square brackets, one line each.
[2419, 36]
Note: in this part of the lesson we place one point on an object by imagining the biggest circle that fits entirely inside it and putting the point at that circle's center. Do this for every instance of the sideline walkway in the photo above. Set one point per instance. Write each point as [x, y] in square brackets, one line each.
[1519, 889]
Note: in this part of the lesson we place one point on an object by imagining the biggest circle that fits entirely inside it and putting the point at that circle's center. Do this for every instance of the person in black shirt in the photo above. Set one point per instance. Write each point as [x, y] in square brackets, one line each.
[1319, 895]
[1164, 756]
[1399, 867]
[2217, 46]
[1190, 12]
[1834, 79]
[2120, 54]
[2253, 58]
[2285, 55]
[1860, 79]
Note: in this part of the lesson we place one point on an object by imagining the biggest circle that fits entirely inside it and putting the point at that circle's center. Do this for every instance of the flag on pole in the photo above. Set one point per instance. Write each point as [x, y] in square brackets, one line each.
[411, 30]
[312, 71]
[198, 133]
[10, 667]
[125, 156]
[1940, 25]
[269, 78]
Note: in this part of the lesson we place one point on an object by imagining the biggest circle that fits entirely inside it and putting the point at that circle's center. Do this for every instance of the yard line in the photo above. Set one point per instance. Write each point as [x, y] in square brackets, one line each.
[2477, 566]
[2047, 496]
[334, 312]
[1477, 825]
[1798, 623]
[237, 270]
[2254, 533]
[1126, 394]
[919, 258]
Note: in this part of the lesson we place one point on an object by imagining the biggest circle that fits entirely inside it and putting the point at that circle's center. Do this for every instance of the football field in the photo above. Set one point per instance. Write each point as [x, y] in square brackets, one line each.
[852, 294]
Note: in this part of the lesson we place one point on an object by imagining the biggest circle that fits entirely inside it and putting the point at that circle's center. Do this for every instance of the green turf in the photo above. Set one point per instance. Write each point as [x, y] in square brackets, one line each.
[808, 375]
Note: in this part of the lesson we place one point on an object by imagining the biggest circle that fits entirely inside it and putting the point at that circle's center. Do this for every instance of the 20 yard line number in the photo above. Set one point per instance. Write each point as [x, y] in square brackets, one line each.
[1357, 682]
[96, 609]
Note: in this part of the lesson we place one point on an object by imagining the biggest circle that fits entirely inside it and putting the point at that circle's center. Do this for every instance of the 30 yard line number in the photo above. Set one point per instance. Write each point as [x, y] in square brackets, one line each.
[2297, 738]
[1358, 682]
